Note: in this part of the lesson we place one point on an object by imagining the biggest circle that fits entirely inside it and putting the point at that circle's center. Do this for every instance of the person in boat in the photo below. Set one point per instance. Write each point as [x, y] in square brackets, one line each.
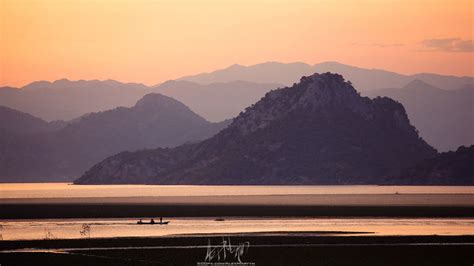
[140, 221]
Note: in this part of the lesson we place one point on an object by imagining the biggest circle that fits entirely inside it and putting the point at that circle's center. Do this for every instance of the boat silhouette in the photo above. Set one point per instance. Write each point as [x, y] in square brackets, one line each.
[152, 221]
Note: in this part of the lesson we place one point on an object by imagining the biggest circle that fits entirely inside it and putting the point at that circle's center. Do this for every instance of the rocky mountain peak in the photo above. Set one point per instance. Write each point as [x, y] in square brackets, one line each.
[321, 93]
[326, 90]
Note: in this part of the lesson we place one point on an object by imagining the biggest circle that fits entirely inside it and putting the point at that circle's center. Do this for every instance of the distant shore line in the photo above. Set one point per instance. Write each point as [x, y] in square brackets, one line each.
[102, 210]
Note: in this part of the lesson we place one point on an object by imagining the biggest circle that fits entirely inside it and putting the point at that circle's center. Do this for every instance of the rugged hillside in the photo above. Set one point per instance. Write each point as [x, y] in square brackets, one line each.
[444, 118]
[319, 131]
[155, 121]
[448, 168]
[216, 101]
[64, 99]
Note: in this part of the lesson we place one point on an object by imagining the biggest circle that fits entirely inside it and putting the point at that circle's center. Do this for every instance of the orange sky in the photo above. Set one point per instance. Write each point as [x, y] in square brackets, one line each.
[152, 41]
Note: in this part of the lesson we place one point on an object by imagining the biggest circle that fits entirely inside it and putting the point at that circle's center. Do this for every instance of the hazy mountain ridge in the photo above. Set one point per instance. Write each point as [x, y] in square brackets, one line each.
[155, 121]
[216, 101]
[445, 119]
[65, 100]
[268, 72]
[362, 78]
[17, 122]
[319, 131]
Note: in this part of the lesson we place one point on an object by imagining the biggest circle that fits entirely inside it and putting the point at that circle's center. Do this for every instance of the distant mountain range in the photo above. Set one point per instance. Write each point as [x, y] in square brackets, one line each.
[65, 99]
[439, 106]
[319, 131]
[34, 150]
[363, 79]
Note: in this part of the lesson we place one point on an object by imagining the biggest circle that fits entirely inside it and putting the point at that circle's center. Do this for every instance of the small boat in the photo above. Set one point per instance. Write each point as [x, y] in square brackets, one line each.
[152, 221]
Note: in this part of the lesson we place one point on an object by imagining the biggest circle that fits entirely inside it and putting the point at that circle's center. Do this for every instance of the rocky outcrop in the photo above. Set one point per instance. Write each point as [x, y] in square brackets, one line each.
[319, 131]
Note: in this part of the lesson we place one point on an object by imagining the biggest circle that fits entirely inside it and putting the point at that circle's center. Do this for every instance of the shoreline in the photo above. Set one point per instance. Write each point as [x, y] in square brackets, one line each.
[101, 210]
[333, 205]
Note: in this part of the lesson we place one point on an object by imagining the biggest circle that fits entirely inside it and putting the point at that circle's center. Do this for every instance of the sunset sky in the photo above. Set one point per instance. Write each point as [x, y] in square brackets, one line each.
[153, 41]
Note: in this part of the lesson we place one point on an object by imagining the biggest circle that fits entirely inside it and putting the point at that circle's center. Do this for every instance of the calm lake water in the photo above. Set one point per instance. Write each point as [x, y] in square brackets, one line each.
[65, 190]
[99, 228]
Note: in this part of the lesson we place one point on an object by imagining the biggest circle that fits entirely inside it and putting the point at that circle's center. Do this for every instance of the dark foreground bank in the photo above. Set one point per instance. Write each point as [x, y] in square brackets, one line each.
[261, 249]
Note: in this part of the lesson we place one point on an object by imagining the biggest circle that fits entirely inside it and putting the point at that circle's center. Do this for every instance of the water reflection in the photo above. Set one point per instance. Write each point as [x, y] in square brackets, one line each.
[100, 228]
[64, 190]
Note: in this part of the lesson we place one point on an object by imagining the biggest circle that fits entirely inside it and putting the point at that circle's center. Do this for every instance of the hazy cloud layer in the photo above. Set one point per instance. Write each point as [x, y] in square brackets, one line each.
[379, 45]
[449, 45]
